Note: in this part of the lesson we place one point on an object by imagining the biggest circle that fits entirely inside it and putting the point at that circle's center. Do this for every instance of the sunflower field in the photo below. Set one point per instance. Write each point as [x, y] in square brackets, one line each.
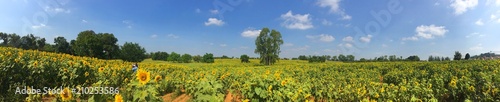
[90, 79]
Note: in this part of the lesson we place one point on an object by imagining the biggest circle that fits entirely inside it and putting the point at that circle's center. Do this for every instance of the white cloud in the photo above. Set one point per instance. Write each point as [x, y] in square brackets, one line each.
[479, 22]
[494, 17]
[428, 32]
[84, 21]
[477, 47]
[348, 45]
[498, 3]
[334, 8]
[127, 23]
[287, 44]
[461, 6]
[214, 21]
[56, 10]
[154, 36]
[366, 39]
[250, 33]
[348, 39]
[172, 36]
[38, 26]
[321, 37]
[296, 21]
[475, 34]
[326, 22]
[222, 45]
[214, 11]
[410, 38]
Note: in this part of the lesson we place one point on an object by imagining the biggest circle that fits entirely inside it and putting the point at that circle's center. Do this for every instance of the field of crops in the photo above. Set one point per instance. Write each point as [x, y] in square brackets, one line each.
[286, 81]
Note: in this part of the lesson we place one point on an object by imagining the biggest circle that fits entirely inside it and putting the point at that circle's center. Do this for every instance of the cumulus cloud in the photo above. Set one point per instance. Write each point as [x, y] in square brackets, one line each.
[461, 6]
[321, 37]
[348, 45]
[334, 8]
[366, 39]
[214, 21]
[250, 33]
[479, 22]
[427, 32]
[296, 21]
[348, 39]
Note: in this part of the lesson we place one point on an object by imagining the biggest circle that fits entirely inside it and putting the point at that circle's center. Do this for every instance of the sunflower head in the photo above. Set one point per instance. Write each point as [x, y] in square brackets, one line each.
[87, 74]
[101, 69]
[157, 78]
[65, 94]
[143, 76]
[118, 98]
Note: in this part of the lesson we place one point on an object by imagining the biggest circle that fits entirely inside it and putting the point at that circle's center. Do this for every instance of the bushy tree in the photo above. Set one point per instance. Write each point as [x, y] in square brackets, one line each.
[342, 58]
[101, 45]
[313, 59]
[244, 59]
[303, 57]
[208, 58]
[457, 56]
[413, 58]
[174, 57]
[160, 56]
[132, 52]
[61, 45]
[186, 58]
[268, 46]
[197, 58]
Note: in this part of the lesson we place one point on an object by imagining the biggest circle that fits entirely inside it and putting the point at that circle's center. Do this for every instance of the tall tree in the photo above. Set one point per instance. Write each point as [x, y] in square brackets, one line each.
[268, 46]
[467, 56]
[132, 52]
[244, 59]
[61, 45]
[457, 56]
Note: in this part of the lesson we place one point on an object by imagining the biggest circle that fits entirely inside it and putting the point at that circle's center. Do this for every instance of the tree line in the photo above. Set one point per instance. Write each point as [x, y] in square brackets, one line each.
[88, 43]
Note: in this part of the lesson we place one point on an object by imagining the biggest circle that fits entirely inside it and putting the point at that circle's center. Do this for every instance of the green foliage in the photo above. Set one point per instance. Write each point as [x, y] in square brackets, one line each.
[160, 56]
[457, 56]
[174, 57]
[132, 52]
[413, 58]
[245, 59]
[186, 58]
[313, 59]
[197, 58]
[467, 56]
[61, 45]
[208, 58]
[101, 45]
[268, 46]
[303, 57]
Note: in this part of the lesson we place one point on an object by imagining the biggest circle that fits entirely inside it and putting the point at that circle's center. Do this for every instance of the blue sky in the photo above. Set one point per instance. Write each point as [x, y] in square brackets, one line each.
[309, 27]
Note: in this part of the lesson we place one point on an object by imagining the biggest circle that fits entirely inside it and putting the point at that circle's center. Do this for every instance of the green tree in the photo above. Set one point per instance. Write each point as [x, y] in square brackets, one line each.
[350, 58]
[102, 45]
[208, 58]
[413, 58]
[457, 56]
[132, 52]
[197, 58]
[174, 57]
[268, 46]
[244, 59]
[431, 58]
[186, 58]
[160, 56]
[467, 56]
[61, 45]
[342, 58]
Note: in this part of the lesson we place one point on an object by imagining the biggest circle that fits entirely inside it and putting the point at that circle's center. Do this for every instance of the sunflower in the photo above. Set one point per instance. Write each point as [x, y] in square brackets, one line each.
[143, 76]
[66, 94]
[118, 98]
[101, 69]
[157, 78]
[87, 74]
